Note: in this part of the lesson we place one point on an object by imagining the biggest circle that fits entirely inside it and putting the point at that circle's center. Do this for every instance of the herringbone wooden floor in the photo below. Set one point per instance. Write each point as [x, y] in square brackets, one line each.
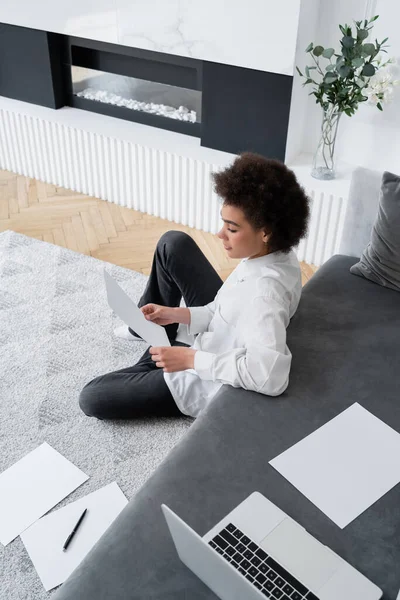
[121, 236]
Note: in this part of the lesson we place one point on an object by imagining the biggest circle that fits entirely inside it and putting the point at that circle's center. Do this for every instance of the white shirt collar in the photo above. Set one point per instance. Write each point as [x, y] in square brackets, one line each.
[255, 264]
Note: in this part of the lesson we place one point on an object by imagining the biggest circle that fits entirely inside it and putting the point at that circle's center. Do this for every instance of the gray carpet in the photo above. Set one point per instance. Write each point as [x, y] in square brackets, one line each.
[56, 333]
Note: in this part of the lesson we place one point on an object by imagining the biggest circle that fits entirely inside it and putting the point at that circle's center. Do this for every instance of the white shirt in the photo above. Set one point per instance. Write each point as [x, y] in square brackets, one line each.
[241, 337]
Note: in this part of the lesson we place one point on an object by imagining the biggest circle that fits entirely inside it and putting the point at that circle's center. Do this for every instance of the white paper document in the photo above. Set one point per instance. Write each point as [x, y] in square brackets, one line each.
[32, 486]
[344, 466]
[130, 313]
[44, 540]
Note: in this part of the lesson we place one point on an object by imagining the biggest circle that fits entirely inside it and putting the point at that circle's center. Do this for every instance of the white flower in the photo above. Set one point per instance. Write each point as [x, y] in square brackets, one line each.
[387, 95]
[380, 86]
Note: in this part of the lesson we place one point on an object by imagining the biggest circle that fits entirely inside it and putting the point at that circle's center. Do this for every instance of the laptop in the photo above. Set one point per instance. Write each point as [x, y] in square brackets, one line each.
[257, 551]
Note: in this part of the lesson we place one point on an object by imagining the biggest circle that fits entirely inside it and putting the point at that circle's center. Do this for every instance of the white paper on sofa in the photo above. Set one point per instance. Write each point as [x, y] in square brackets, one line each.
[45, 539]
[344, 466]
[32, 486]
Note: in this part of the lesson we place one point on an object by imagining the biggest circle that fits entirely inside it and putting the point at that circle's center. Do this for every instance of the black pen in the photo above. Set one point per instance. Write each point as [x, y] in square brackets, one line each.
[75, 529]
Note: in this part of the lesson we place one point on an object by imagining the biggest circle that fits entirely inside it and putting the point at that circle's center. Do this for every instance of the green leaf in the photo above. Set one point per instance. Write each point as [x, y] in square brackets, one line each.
[330, 68]
[362, 34]
[384, 41]
[348, 41]
[307, 72]
[348, 53]
[368, 49]
[373, 19]
[330, 78]
[357, 62]
[318, 50]
[299, 72]
[368, 70]
[309, 47]
[344, 71]
[379, 105]
[328, 52]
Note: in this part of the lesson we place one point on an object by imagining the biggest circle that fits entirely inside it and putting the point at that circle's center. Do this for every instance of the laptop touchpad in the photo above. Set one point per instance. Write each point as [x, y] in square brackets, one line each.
[301, 554]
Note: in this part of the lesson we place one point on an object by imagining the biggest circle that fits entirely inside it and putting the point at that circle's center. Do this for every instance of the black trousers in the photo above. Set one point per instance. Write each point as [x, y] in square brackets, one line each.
[179, 269]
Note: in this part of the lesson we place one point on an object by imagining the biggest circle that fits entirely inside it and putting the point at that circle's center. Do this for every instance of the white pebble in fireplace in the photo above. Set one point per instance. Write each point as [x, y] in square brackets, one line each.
[182, 113]
[137, 94]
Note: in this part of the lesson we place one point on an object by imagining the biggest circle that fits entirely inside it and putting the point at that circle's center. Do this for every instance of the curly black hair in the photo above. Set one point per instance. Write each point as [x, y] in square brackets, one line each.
[270, 197]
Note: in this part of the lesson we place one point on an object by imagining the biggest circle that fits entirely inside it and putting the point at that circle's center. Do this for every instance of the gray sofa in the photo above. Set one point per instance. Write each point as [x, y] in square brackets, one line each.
[345, 340]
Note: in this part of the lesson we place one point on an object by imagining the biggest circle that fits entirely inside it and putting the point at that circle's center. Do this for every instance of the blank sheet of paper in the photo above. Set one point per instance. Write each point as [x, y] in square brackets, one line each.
[344, 466]
[44, 540]
[32, 486]
[130, 313]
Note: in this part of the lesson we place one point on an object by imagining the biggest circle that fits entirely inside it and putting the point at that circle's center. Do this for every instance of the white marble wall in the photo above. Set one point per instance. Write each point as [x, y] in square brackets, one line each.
[258, 34]
[84, 18]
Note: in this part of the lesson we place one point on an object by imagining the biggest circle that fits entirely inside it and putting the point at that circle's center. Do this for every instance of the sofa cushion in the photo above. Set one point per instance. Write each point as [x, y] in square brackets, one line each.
[345, 344]
[380, 261]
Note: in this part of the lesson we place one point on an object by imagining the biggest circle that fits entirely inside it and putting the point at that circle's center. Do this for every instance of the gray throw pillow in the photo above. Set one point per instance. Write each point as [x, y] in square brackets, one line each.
[380, 261]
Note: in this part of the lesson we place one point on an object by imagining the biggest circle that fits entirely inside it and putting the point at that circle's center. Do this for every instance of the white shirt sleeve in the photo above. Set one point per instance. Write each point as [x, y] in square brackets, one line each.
[200, 317]
[263, 364]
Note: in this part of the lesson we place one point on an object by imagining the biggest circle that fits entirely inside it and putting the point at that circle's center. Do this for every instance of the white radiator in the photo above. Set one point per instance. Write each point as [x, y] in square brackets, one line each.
[325, 228]
[153, 181]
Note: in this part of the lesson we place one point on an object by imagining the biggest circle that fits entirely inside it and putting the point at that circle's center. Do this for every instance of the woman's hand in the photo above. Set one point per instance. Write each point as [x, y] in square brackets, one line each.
[161, 315]
[173, 358]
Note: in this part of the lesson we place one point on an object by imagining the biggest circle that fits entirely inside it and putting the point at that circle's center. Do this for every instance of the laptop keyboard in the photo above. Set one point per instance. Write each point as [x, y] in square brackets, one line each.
[260, 569]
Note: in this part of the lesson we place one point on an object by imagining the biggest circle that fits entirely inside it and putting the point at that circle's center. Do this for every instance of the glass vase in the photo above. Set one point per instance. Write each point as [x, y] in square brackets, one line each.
[324, 158]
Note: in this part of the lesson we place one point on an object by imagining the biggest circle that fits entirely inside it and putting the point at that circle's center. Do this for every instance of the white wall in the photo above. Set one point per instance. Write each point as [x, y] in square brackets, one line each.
[307, 30]
[370, 138]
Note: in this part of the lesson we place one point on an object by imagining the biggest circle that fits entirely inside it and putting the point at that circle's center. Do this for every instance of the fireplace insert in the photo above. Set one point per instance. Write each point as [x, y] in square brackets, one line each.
[137, 94]
[164, 91]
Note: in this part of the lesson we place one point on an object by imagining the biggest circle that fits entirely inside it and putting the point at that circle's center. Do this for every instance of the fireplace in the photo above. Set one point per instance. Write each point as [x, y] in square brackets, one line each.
[146, 87]
[227, 107]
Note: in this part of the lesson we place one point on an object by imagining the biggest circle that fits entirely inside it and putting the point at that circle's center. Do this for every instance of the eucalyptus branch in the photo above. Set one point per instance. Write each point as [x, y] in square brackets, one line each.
[342, 83]
[357, 61]
[318, 65]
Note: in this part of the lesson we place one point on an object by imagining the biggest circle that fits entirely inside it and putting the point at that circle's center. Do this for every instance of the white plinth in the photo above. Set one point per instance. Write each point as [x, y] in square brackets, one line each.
[328, 203]
[157, 172]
